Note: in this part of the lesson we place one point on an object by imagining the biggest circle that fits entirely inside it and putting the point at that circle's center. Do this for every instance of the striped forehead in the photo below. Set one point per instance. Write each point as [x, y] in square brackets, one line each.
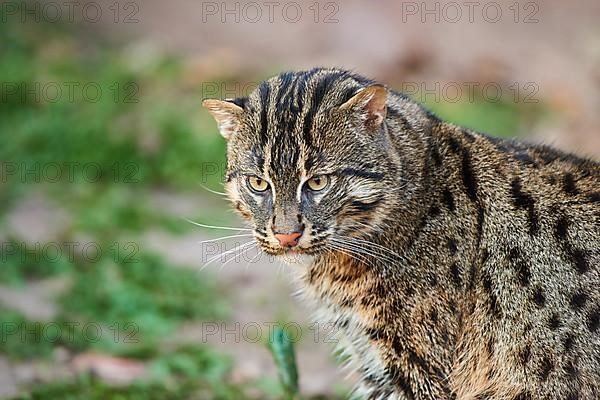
[287, 106]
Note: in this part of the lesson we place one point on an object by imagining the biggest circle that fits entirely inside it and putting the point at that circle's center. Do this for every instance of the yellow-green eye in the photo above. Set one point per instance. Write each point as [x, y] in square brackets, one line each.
[317, 183]
[257, 184]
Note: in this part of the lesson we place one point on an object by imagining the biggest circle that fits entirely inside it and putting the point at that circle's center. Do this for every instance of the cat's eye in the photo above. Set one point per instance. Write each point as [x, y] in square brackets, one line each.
[257, 184]
[317, 183]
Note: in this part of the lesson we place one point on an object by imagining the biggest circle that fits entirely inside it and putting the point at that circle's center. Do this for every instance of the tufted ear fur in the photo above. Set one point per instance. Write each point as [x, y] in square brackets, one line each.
[227, 113]
[369, 105]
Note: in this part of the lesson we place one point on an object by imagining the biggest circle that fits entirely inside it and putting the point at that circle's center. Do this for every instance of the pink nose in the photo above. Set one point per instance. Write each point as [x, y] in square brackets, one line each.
[288, 239]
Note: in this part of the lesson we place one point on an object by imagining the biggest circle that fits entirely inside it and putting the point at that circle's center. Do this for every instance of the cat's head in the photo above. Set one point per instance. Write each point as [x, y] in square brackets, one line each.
[308, 159]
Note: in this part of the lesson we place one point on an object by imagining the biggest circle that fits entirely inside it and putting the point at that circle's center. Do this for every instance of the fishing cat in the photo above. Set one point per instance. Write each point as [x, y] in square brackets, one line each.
[456, 265]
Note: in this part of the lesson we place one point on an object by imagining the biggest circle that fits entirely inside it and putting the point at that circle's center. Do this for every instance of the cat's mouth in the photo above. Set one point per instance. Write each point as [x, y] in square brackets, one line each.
[284, 251]
[310, 247]
[314, 240]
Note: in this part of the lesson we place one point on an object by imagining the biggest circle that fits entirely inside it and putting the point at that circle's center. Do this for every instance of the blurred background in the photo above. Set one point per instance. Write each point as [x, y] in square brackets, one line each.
[106, 290]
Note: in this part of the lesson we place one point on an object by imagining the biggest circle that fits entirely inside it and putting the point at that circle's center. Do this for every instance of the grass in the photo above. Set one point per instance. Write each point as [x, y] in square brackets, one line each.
[504, 117]
[159, 140]
[146, 293]
[153, 142]
[186, 372]
[23, 339]
[135, 293]
[23, 261]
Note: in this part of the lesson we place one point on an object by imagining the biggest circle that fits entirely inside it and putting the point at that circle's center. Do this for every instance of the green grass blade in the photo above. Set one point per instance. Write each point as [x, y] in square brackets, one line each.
[282, 349]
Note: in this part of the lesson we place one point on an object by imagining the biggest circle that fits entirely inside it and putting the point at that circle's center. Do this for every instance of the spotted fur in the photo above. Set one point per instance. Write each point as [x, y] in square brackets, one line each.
[453, 264]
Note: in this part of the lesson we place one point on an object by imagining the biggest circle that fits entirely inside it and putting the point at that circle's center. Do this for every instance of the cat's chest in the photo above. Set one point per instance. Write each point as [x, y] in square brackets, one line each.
[335, 300]
[345, 331]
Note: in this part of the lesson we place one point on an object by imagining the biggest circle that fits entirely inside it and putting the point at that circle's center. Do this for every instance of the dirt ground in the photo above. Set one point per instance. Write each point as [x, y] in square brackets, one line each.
[259, 292]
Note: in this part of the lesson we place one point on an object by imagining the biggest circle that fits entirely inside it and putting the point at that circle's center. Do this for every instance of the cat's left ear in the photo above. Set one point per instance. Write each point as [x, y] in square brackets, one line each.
[369, 105]
[228, 114]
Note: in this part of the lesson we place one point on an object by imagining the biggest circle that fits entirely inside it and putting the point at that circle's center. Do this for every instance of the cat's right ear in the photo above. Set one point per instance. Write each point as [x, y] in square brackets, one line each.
[369, 105]
[228, 115]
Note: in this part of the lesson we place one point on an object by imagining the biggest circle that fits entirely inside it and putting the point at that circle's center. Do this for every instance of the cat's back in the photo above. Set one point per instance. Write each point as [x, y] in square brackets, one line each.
[538, 282]
[524, 222]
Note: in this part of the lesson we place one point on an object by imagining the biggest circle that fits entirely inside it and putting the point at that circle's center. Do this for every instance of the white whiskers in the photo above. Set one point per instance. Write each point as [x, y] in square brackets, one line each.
[231, 228]
[212, 191]
[364, 251]
[253, 258]
[374, 245]
[226, 237]
[244, 251]
[243, 246]
[349, 253]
